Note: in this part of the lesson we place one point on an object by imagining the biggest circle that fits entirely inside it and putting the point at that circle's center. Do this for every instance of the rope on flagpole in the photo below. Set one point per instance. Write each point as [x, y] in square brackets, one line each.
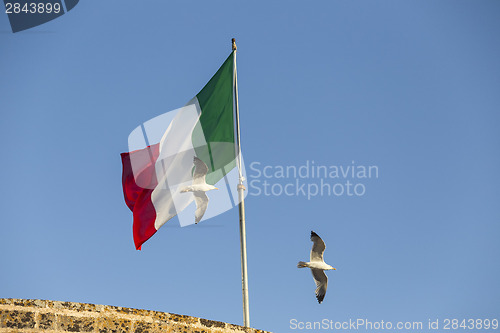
[241, 196]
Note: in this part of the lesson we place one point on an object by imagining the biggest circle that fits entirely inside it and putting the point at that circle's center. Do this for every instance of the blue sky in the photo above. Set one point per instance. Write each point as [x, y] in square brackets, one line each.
[408, 86]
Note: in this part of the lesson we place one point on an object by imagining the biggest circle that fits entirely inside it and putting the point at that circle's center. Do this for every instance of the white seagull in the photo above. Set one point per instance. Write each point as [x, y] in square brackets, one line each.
[199, 187]
[318, 266]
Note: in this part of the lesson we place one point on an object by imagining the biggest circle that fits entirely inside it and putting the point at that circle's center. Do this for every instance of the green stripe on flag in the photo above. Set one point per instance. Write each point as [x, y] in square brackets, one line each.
[217, 122]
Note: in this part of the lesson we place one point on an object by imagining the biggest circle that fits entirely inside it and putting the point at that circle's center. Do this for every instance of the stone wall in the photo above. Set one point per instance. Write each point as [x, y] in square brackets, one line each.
[20, 315]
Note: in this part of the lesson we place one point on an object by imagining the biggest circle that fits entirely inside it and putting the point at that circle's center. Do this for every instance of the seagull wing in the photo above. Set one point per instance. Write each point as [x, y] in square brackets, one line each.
[201, 200]
[321, 283]
[318, 247]
[200, 171]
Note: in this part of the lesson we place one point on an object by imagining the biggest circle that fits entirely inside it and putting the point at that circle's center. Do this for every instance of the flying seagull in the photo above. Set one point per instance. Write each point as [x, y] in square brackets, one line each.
[199, 187]
[318, 266]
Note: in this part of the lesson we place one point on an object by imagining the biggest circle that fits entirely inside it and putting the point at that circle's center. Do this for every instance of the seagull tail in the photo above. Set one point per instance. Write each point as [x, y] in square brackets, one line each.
[301, 264]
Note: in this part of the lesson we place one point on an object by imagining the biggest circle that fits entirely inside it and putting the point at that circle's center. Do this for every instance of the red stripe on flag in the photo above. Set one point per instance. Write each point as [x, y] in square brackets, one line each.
[139, 180]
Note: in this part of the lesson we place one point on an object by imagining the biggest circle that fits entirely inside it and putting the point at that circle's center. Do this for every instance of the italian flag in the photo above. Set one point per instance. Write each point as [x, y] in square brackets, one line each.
[153, 176]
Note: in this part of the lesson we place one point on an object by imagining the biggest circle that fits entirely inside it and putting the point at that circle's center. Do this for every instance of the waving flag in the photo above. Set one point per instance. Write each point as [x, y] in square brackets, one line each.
[154, 176]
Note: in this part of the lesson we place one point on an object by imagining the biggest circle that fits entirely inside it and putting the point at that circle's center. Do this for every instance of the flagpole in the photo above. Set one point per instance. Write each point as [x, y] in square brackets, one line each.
[241, 196]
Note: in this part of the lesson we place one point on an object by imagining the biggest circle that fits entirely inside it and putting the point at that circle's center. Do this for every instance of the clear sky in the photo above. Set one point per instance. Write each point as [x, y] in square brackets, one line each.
[411, 87]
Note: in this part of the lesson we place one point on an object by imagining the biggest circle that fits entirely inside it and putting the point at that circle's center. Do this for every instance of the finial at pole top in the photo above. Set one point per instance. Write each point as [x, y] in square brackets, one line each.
[234, 43]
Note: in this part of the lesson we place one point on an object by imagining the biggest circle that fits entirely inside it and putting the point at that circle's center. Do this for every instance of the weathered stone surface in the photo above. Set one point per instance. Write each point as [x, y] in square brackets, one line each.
[212, 323]
[113, 325]
[160, 316]
[17, 319]
[75, 324]
[180, 328]
[183, 319]
[46, 321]
[18, 315]
[143, 327]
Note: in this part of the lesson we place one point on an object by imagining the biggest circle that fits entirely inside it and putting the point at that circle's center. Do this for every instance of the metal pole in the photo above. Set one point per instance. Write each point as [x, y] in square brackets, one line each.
[241, 196]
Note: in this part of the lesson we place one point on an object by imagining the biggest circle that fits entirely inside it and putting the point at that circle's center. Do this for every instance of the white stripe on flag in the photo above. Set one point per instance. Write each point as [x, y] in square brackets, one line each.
[175, 164]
